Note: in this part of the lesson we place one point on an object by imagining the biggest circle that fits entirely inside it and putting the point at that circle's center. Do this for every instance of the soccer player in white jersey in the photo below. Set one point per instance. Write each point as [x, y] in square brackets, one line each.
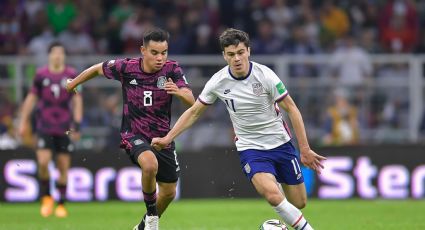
[253, 94]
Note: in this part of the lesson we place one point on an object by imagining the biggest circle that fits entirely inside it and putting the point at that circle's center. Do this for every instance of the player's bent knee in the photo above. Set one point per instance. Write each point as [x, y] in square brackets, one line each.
[274, 198]
[149, 169]
[169, 195]
[148, 162]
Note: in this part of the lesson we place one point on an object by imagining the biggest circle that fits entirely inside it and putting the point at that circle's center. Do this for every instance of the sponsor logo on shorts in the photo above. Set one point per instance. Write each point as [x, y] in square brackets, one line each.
[299, 176]
[70, 148]
[247, 168]
[138, 142]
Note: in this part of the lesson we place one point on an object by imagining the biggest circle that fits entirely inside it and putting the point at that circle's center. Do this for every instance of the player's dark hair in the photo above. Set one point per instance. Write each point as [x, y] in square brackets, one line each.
[155, 34]
[233, 37]
[55, 44]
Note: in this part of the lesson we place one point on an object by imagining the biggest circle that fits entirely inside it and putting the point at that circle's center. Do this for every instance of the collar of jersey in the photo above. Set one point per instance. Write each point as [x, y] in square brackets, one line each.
[241, 78]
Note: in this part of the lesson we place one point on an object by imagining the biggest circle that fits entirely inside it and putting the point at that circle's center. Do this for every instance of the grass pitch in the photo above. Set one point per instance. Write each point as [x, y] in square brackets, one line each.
[220, 214]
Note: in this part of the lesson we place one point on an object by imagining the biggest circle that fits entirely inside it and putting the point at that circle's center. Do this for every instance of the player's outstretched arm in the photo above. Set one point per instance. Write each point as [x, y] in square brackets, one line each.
[26, 111]
[185, 121]
[84, 76]
[308, 157]
[77, 112]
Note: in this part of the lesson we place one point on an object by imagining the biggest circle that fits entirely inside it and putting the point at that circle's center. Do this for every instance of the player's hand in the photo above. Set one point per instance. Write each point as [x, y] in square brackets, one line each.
[159, 143]
[312, 160]
[171, 87]
[74, 135]
[68, 86]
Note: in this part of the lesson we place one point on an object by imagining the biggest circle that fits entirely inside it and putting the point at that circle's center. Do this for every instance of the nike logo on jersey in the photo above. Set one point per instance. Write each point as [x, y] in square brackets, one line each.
[226, 91]
[133, 82]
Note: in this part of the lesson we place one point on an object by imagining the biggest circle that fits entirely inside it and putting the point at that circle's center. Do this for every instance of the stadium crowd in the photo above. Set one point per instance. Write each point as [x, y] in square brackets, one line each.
[275, 26]
[343, 29]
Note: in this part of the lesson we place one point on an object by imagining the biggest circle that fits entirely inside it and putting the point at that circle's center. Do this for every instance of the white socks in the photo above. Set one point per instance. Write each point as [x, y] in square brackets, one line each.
[291, 215]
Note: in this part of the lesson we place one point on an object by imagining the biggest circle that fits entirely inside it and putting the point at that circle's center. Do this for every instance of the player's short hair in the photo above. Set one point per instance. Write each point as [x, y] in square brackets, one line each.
[55, 44]
[155, 34]
[233, 37]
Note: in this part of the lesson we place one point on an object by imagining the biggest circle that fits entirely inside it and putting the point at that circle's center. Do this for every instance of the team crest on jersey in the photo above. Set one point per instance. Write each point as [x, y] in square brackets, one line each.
[46, 82]
[63, 82]
[257, 88]
[161, 82]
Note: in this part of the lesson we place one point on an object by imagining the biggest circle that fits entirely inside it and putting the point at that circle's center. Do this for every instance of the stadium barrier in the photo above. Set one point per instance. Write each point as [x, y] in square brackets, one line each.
[396, 85]
[368, 172]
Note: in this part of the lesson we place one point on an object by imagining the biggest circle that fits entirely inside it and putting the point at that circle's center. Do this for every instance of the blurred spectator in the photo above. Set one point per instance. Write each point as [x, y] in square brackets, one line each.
[311, 25]
[60, 13]
[363, 14]
[11, 34]
[342, 124]
[300, 44]
[179, 39]
[39, 44]
[266, 42]
[112, 36]
[122, 10]
[133, 28]
[76, 40]
[7, 112]
[334, 20]
[399, 26]
[350, 64]
[368, 41]
[281, 16]
[31, 9]
[204, 44]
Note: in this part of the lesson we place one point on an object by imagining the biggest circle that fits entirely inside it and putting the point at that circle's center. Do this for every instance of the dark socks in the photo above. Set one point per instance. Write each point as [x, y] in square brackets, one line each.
[62, 192]
[44, 187]
[150, 201]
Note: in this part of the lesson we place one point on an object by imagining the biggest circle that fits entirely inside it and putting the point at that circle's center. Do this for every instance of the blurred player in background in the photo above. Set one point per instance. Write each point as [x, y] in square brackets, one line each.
[253, 94]
[57, 112]
[148, 85]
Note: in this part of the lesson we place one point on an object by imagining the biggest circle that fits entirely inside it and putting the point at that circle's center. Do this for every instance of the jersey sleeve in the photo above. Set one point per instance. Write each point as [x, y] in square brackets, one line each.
[207, 96]
[274, 85]
[179, 78]
[112, 69]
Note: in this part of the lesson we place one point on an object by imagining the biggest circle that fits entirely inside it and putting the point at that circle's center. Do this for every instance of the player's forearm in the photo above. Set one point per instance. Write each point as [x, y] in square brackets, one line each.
[27, 107]
[78, 108]
[86, 75]
[184, 122]
[299, 128]
[187, 97]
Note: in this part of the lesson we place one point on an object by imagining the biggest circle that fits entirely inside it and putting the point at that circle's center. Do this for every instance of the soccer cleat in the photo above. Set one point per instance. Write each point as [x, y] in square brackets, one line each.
[61, 211]
[47, 204]
[151, 223]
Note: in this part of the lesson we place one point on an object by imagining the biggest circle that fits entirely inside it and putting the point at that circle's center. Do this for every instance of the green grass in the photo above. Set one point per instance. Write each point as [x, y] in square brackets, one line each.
[220, 214]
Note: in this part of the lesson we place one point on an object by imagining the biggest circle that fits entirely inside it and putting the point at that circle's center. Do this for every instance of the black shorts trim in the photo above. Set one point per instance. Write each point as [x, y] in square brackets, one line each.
[55, 143]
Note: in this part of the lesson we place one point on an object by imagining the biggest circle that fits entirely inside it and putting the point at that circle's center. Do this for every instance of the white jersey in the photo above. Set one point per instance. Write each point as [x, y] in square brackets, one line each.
[251, 102]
